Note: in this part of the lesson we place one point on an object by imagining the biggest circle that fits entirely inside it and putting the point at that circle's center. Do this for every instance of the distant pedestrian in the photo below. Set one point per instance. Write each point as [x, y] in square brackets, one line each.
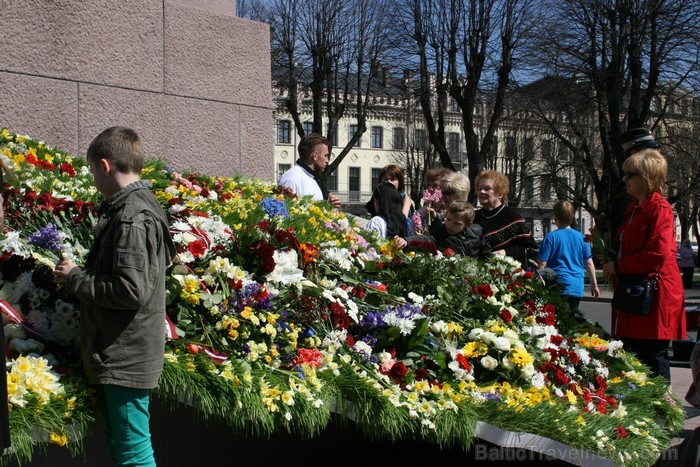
[567, 253]
[687, 263]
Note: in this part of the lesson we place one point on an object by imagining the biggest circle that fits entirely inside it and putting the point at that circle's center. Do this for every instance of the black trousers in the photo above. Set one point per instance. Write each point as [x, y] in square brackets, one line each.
[687, 277]
[651, 352]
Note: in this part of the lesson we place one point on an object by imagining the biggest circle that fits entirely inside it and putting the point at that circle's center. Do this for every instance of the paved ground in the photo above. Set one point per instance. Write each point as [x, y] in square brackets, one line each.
[681, 375]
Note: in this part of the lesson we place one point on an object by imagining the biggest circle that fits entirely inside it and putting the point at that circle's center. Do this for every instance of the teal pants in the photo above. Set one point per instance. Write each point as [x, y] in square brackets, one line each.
[128, 433]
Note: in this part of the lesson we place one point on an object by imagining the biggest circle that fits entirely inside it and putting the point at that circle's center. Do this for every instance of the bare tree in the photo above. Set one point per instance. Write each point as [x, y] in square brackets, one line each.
[465, 51]
[623, 50]
[333, 49]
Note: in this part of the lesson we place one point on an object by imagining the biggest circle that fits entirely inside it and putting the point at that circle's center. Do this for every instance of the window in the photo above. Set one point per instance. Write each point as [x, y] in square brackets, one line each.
[282, 168]
[419, 139]
[284, 131]
[494, 148]
[351, 133]
[547, 150]
[399, 138]
[308, 127]
[332, 181]
[511, 147]
[546, 187]
[529, 148]
[529, 188]
[334, 139]
[375, 177]
[377, 137]
[563, 152]
[453, 144]
[454, 106]
[354, 184]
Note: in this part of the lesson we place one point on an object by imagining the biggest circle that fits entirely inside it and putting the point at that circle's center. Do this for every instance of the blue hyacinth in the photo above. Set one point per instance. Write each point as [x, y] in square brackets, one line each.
[274, 207]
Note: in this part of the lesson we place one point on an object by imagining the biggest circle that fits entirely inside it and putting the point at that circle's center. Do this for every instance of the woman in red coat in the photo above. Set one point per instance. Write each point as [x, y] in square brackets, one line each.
[646, 244]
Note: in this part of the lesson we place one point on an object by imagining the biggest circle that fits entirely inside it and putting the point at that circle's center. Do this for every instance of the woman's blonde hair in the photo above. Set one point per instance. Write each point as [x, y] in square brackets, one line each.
[651, 166]
[457, 183]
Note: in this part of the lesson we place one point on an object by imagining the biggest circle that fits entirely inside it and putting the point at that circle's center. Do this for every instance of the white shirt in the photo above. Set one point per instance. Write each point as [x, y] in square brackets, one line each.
[378, 224]
[301, 182]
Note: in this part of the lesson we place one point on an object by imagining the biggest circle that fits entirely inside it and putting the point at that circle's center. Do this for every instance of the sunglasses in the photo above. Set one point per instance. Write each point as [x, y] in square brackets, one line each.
[629, 175]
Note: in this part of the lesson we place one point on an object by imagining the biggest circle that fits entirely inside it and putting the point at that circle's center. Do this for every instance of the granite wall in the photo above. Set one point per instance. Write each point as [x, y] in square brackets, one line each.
[188, 75]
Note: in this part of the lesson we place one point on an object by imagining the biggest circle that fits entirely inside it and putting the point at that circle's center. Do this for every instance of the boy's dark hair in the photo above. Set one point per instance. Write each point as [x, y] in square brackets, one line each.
[390, 209]
[121, 145]
[464, 210]
[564, 213]
[309, 142]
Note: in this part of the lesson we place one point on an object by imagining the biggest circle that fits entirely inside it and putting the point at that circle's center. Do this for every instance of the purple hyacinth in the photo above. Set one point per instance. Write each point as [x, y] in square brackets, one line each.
[47, 237]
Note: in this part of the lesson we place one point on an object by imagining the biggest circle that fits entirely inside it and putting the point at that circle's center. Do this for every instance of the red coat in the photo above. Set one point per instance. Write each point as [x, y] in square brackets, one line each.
[648, 244]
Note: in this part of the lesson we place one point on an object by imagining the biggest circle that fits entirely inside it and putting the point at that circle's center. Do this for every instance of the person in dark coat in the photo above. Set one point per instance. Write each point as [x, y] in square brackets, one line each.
[504, 228]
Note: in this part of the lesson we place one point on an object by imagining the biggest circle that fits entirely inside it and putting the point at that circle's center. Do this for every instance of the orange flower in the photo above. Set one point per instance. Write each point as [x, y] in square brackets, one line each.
[309, 252]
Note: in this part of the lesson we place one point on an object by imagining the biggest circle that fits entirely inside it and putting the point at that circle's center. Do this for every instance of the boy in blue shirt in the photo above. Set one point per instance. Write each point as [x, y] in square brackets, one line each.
[567, 253]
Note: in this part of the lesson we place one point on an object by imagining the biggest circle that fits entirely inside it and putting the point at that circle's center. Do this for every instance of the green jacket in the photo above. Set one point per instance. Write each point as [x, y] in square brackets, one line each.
[122, 290]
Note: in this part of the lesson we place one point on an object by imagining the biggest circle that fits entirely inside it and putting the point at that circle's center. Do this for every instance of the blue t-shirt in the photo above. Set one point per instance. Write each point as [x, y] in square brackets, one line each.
[566, 252]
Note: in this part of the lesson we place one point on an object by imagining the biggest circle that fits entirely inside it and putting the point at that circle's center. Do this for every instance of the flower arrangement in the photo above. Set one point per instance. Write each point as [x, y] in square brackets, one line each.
[283, 311]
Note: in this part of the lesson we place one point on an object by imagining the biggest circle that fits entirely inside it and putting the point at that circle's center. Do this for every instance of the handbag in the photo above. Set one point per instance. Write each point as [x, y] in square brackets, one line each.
[634, 294]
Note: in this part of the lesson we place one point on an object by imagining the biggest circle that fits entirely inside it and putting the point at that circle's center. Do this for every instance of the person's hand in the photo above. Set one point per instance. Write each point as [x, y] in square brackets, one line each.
[498, 253]
[400, 243]
[609, 269]
[334, 200]
[595, 292]
[60, 273]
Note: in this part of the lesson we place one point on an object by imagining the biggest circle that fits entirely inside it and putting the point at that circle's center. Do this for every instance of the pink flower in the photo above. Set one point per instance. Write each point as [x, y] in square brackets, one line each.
[431, 195]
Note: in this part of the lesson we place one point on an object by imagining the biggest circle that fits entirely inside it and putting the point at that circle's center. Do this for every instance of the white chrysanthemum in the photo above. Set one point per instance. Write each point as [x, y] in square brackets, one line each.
[180, 225]
[475, 334]
[38, 320]
[185, 257]
[415, 298]
[537, 380]
[405, 325]
[339, 292]
[583, 355]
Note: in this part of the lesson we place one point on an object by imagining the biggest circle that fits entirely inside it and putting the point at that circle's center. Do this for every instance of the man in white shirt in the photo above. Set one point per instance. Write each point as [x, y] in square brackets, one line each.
[306, 177]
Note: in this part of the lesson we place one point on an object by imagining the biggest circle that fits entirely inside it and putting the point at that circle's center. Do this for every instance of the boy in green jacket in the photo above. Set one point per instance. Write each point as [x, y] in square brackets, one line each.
[122, 290]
